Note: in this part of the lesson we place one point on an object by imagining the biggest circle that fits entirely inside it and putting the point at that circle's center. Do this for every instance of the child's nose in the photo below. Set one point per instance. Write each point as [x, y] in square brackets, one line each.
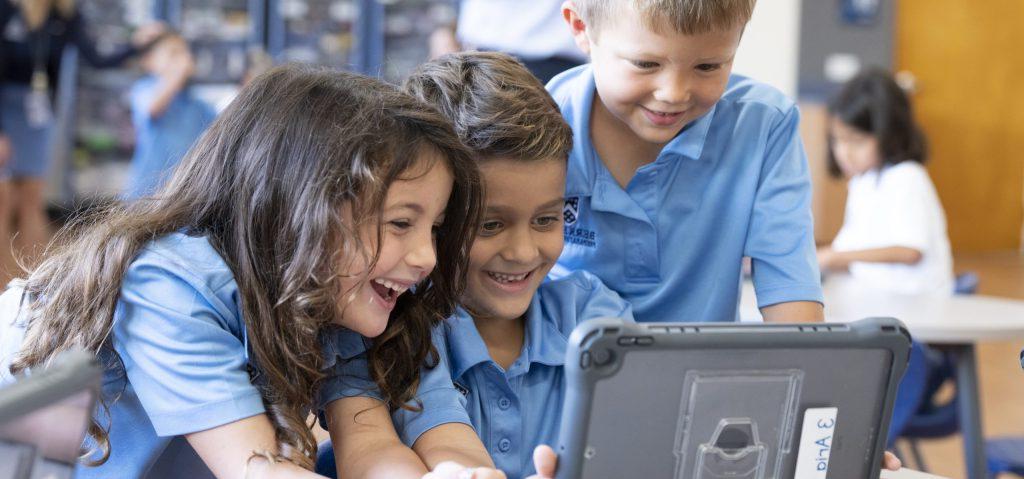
[674, 89]
[422, 257]
[521, 247]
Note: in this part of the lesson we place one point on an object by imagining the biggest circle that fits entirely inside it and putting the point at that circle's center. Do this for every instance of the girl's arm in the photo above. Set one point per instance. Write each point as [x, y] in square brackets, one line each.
[228, 449]
[365, 442]
[367, 446]
[840, 260]
[452, 442]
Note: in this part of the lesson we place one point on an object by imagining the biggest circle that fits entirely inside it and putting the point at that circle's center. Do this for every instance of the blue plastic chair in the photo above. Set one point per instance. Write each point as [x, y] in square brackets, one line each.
[1005, 455]
[325, 463]
[966, 283]
[910, 394]
[934, 418]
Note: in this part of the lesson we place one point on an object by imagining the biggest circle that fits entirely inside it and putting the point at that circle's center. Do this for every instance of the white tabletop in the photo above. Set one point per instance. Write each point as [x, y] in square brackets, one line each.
[949, 320]
[908, 474]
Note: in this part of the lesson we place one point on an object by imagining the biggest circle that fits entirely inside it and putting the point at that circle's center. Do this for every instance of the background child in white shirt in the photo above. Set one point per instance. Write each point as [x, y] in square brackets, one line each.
[894, 230]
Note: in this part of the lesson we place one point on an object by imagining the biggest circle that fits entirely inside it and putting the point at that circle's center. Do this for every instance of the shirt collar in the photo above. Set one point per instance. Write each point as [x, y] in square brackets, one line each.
[543, 344]
[340, 343]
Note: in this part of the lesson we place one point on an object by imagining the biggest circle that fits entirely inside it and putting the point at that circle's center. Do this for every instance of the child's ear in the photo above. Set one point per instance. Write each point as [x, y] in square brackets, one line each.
[577, 27]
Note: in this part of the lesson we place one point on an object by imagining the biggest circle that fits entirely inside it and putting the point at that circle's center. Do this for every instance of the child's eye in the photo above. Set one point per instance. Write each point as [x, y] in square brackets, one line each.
[546, 221]
[490, 227]
[709, 67]
[400, 225]
[644, 65]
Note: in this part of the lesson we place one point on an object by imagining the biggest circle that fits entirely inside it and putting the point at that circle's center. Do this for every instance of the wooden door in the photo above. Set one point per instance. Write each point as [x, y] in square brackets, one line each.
[968, 61]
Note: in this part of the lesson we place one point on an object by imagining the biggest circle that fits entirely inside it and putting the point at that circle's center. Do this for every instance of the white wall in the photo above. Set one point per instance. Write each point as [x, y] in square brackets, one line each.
[770, 47]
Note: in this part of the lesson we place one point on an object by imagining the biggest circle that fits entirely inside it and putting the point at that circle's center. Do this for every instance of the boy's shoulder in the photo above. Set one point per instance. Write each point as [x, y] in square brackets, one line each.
[574, 82]
[745, 92]
[575, 297]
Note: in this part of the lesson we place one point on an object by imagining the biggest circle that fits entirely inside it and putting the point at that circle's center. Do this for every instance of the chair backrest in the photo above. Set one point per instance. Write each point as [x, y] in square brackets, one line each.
[966, 283]
[911, 393]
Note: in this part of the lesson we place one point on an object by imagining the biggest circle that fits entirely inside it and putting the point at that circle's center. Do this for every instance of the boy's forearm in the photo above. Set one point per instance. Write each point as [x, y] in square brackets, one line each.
[794, 312]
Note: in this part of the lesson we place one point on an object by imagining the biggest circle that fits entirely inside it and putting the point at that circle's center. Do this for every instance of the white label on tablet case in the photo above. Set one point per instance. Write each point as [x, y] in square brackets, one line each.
[816, 443]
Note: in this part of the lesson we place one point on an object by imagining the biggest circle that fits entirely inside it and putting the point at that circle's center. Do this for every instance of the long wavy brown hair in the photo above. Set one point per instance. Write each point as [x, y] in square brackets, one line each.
[266, 185]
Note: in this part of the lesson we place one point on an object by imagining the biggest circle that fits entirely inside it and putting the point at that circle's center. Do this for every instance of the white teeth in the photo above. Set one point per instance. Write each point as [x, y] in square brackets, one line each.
[397, 288]
[508, 278]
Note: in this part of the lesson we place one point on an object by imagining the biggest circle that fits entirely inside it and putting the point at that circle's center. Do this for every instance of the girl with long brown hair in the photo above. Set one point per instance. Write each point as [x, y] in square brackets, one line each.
[312, 212]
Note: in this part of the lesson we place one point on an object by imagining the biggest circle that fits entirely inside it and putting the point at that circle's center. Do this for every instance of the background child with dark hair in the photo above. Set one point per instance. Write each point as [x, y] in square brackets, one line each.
[894, 231]
[167, 117]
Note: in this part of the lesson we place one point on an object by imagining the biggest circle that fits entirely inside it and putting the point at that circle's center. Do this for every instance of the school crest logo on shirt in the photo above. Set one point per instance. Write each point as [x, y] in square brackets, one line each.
[571, 210]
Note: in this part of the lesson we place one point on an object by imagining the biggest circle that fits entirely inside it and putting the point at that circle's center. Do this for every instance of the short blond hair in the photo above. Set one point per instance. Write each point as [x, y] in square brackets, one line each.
[688, 17]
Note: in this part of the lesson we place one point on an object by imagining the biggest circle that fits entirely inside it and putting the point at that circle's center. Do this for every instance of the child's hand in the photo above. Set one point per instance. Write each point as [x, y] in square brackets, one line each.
[179, 68]
[442, 42]
[826, 258]
[891, 462]
[145, 34]
[545, 461]
[454, 470]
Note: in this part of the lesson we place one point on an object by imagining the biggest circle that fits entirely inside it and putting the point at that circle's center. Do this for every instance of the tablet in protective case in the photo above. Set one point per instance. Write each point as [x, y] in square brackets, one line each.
[729, 400]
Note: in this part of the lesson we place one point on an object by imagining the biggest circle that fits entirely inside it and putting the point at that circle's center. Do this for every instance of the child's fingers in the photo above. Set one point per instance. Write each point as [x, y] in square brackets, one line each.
[486, 473]
[545, 460]
[447, 470]
[891, 462]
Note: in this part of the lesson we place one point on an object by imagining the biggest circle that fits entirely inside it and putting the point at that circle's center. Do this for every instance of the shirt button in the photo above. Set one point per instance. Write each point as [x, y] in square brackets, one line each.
[504, 403]
[504, 445]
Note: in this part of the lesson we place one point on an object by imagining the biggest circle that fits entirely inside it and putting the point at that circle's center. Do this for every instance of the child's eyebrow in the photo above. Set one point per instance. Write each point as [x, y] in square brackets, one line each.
[415, 207]
[560, 201]
[557, 202]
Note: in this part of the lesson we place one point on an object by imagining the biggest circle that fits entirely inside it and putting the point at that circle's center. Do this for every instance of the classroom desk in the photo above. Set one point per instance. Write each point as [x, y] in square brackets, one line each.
[956, 323]
[908, 474]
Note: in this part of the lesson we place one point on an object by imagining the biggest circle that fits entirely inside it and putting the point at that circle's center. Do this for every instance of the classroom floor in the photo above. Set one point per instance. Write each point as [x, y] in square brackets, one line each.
[1002, 381]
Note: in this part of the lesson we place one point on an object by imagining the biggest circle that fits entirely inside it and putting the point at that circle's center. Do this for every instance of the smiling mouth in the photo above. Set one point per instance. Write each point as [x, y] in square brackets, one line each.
[388, 291]
[503, 278]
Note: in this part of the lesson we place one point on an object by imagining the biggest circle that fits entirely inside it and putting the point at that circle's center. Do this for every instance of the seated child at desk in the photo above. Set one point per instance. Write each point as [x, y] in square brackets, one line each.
[894, 231]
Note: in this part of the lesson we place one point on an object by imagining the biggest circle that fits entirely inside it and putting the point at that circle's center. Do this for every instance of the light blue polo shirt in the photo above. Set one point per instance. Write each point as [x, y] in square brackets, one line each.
[733, 183]
[181, 364]
[512, 411]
